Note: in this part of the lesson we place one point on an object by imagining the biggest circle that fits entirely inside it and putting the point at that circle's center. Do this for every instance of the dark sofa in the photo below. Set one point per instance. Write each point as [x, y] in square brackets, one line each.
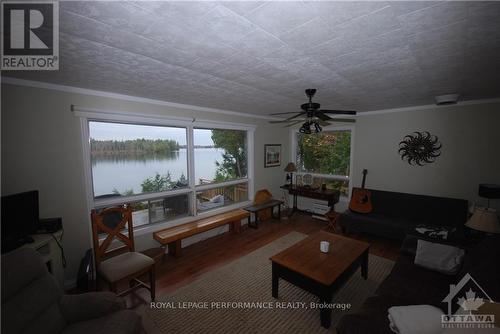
[396, 214]
[409, 284]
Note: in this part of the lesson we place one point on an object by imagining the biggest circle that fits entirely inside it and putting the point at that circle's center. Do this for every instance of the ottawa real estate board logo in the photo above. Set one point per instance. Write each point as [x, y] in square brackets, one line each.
[30, 35]
[464, 306]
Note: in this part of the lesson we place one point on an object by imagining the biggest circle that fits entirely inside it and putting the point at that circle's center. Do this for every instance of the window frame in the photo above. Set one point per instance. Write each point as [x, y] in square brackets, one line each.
[95, 115]
[293, 155]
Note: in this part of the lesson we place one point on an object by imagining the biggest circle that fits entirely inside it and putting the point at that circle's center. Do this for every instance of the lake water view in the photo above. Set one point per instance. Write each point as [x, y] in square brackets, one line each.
[112, 173]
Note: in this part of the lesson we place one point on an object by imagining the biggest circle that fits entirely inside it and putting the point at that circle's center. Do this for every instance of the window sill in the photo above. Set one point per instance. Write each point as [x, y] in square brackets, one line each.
[151, 228]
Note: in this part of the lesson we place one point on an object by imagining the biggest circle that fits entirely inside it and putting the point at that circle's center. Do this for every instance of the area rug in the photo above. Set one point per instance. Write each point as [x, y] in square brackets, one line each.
[198, 308]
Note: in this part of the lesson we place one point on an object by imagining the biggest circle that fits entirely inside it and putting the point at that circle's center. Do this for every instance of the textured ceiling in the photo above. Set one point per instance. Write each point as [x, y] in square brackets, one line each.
[258, 57]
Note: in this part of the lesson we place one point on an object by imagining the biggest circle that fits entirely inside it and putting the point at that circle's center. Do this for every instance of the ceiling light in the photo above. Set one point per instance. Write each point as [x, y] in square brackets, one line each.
[306, 128]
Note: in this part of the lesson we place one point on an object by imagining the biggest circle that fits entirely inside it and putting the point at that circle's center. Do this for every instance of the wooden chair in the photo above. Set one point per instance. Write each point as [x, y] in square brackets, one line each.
[122, 263]
[333, 221]
[263, 196]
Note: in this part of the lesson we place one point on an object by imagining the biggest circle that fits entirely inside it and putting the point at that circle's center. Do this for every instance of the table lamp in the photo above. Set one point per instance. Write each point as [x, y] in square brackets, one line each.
[484, 220]
[290, 169]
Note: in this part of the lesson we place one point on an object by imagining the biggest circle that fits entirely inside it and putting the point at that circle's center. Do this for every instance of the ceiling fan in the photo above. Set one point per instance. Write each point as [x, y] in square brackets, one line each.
[313, 117]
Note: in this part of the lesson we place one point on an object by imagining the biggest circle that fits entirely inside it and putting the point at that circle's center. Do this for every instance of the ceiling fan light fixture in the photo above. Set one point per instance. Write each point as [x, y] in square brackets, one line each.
[317, 127]
[307, 128]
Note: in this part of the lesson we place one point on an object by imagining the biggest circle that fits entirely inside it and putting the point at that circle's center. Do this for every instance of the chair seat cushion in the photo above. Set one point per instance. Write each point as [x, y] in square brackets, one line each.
[125, 321]
[123, 265]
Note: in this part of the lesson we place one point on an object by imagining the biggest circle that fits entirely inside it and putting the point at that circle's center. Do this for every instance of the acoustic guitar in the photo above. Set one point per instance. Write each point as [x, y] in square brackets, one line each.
[361, 198]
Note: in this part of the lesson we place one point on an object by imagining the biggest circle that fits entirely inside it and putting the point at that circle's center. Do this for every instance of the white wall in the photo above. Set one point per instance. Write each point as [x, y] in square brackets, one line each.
[470, 154]
[42, 149]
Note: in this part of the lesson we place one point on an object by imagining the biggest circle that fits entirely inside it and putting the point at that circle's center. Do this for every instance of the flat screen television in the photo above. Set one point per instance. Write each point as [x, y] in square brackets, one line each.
[20, 218]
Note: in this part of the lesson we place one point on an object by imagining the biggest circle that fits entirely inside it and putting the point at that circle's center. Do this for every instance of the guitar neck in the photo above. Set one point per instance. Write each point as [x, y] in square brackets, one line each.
[364, 178]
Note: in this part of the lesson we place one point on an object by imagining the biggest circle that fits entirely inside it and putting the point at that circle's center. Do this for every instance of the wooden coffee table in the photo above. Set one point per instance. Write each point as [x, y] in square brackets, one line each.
[321, 274]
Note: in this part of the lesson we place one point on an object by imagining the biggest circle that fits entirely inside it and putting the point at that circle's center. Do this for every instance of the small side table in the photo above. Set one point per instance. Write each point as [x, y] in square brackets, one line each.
[267, 205]
[333, 221]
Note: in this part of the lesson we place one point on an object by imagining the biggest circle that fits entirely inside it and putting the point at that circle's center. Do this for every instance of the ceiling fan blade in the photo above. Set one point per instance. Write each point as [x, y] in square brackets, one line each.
[298, 115]
[322, 116]
[293, 123]
[338, 112]
[322, 122]
[288, 119]
[283, 121]
[284, 113]
[343, 120]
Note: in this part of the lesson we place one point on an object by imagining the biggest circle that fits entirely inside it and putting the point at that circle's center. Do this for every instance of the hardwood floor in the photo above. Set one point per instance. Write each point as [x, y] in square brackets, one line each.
[206, 255]
[209, 254]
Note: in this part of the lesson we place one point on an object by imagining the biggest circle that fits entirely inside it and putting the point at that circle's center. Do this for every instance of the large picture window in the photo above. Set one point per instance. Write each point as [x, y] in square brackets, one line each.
[166, 171]
[130, 159]
[326, 156]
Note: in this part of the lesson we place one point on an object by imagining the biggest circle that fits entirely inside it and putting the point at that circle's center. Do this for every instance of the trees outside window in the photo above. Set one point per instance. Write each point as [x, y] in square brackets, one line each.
[226, 155]
[326, 155]
[234, 158]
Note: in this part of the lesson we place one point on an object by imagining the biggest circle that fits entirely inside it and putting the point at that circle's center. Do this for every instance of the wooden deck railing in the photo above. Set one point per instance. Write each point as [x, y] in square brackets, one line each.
[234, 193]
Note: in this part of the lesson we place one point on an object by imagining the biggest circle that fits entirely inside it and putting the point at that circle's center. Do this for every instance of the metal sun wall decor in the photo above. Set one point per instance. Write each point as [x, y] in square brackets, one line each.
[419, 148]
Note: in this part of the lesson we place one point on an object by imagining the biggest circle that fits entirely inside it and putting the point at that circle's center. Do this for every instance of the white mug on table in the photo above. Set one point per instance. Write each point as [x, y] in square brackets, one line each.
[324, 246]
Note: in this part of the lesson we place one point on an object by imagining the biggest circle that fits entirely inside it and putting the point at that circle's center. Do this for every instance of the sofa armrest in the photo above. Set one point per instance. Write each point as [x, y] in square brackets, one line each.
[89, 305]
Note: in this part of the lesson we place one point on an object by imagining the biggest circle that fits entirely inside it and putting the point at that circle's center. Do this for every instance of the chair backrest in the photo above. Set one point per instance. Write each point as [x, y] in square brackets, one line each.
[261, 197]
[112, 222]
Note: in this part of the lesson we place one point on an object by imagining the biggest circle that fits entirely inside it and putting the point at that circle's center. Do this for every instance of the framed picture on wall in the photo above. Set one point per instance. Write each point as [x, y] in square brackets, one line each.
[272, 155]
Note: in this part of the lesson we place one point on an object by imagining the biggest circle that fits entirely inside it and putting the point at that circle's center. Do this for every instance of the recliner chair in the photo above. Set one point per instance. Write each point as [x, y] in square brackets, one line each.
[32, 302]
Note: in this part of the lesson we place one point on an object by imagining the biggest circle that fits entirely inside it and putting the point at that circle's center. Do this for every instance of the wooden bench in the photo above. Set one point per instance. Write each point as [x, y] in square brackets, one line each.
[172, 236]
[266, 205]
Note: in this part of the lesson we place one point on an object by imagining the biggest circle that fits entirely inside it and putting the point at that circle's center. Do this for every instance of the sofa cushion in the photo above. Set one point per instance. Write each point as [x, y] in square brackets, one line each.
[445, 259]
[409, 245]
[407, 284]
[15, 280]
[90, 305]
[481, 262]
[123, 265]
[33, 303]
[415, 284]
[376, 224]
[125, 321]
[425, 209]
[49, 321]
[371, 318]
